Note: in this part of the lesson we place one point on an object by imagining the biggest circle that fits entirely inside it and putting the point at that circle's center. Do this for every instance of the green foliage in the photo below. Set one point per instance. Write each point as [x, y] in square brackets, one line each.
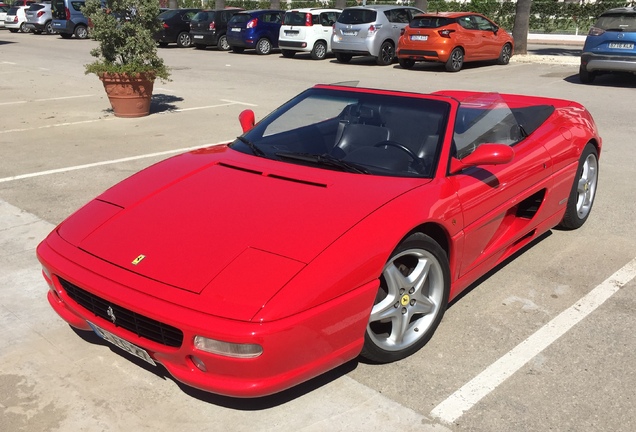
[124, 30]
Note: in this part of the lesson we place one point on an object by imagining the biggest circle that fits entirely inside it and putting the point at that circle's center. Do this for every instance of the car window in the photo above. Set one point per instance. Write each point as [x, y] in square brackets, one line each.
[294, 18]
[240, 18]
[430, 22]
[467, 23]
[357, 16]
[482, 23]
[328, 19]
[203, 16]
[273, 17]
[77, 5]
[484, 119]
[36, 7]
[617, 22]
[399, 16]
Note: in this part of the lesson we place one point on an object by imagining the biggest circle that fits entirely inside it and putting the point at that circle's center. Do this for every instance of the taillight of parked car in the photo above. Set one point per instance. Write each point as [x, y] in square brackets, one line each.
[308, 20]
[67, 13]
[445, 33]
[164, 25]
[595, 31]
[40, 13]
[252, 23]
[372, 29]
[212, 26]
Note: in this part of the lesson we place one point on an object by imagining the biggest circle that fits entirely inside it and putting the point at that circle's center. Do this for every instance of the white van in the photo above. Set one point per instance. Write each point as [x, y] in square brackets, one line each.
[307, 30]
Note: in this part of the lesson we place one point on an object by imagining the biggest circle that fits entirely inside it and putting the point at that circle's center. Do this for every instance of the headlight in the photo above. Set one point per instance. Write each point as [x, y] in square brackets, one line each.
[227, 348]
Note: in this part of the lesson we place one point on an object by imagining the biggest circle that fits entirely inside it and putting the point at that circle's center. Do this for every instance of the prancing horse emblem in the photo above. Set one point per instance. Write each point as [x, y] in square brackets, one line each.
[111, 314]
[138, 259]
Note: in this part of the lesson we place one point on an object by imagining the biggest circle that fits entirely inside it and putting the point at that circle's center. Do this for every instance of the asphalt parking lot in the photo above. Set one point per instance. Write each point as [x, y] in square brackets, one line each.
[546, 342]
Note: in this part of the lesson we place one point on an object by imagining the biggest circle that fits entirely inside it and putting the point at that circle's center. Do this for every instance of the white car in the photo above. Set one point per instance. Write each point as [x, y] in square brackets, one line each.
[307, 30]
[3, 14]
[15, 20]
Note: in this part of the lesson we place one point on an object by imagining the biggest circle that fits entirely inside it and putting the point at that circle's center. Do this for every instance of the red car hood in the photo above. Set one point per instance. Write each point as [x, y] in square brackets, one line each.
[238, 213]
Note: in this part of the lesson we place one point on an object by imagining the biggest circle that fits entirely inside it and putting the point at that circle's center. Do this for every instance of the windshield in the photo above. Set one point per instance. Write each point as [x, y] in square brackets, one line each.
[617, 22]
[366, 132]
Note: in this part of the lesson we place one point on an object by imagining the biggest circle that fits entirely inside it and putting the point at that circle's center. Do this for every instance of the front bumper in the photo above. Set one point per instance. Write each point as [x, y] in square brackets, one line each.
[295, 349]
[608, 63]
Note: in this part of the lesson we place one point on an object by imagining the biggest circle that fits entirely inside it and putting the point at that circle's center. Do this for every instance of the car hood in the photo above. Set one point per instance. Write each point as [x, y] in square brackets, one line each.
[225, 215]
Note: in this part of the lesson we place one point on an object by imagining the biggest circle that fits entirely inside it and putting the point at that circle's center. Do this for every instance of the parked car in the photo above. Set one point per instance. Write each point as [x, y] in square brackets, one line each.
[3, 14]
[341, 224]
[68, 19]
[370, 30]
[40, 18]
[255, 29]
[22, 2]
[209, 27]
[307, 30]
[176, 27]
[453, 38]
[610, 45]
[15, 19]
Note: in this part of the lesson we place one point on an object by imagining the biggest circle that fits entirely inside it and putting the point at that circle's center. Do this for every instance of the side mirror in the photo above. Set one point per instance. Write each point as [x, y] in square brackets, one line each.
[495, 30]
[247, 119]
[485, 154]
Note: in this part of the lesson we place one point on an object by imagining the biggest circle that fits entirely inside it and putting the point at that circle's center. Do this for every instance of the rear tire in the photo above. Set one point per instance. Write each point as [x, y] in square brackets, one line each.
[406, 63]
[24, 28]
[386, 54]
[583, 190]
[263, 46]
[48, 28]
[319, 51]
[455, 61]
[343, 58]
[584, 76]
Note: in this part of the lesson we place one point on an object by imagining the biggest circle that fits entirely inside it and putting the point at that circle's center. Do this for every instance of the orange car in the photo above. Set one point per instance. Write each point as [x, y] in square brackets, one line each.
[453, 38]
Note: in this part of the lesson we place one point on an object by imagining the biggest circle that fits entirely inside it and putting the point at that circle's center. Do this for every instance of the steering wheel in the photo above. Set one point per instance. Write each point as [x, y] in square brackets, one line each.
[402, 147]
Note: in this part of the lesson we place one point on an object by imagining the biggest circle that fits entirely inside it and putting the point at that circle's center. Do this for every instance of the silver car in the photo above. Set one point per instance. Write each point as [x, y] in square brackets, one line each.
[39, 18]
[370, 30]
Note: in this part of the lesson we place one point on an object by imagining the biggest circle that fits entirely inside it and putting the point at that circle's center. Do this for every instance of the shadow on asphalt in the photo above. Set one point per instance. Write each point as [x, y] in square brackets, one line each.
[163, 103]
[556, 51]
[612, 80]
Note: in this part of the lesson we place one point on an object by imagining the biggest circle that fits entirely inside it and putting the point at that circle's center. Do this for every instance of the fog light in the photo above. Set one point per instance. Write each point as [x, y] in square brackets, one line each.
[227, 348]
[198, 363]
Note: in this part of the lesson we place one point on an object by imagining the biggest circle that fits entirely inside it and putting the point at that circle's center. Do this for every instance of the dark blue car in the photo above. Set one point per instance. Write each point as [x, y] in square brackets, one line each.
[255, 29]
[610, 45]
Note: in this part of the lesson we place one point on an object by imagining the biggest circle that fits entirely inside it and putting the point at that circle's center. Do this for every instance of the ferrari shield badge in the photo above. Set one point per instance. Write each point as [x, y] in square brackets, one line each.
[138, 259]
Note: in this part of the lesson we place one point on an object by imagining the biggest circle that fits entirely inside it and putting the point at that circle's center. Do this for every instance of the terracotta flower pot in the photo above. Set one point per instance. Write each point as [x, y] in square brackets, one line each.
[129, 95]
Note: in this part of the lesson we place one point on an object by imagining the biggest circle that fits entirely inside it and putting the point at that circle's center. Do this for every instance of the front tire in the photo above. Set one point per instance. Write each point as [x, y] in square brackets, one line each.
[583, 190]
[263, 46]
[319, 51]
[455, 61]
[411, 300]
[184, 40]
[386, 55]
[48, 28]
[504, 56]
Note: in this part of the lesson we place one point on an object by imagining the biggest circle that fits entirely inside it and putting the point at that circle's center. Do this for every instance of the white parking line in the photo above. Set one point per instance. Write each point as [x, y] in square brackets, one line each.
[56, 125]
[108, 162]
[240, 103]
[45, 100]
[472, 392]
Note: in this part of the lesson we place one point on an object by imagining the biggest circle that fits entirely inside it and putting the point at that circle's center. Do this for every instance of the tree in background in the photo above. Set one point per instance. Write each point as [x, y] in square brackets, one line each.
[521, 26]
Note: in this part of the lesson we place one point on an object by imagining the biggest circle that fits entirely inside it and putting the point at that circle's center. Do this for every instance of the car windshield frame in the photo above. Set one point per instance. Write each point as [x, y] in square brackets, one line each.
[327, 127]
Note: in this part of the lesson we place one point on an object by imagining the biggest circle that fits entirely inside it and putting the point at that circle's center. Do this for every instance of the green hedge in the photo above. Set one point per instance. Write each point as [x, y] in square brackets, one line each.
[546, 16]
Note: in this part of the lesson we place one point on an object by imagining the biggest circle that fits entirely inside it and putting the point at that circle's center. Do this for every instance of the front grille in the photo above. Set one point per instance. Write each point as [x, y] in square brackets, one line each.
[138, 324]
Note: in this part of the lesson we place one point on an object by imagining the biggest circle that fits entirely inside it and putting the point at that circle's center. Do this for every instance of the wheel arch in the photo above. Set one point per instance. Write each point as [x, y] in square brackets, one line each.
[436, 232]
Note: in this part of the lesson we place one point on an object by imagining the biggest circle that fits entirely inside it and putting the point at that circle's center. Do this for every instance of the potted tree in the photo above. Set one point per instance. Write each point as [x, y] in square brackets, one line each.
[126, 58]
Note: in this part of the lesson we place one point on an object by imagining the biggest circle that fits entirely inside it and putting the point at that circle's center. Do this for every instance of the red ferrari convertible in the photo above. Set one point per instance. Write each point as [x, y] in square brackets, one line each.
[340, 225]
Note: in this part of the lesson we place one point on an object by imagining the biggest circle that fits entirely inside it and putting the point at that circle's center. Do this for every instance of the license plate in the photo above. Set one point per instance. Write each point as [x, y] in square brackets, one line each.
[349, 33]
[291, 32]
[621, 45]
[198, 36]
[236, 29]
[123, 344]
[419, 37]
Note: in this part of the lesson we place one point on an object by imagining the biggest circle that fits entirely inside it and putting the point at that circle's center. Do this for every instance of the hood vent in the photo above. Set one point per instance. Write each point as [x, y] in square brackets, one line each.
[274, 176]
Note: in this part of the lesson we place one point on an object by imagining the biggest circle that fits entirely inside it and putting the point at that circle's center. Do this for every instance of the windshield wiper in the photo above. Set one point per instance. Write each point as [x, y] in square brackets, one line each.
[325, 160]
[257, 151]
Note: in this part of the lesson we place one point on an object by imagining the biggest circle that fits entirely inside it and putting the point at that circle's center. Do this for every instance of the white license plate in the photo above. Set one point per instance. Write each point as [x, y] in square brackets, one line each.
[419, 37]
[349, 33]
[291, 32]
[121, 343]
[236, 29]
[621, 45]
[198, 36]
